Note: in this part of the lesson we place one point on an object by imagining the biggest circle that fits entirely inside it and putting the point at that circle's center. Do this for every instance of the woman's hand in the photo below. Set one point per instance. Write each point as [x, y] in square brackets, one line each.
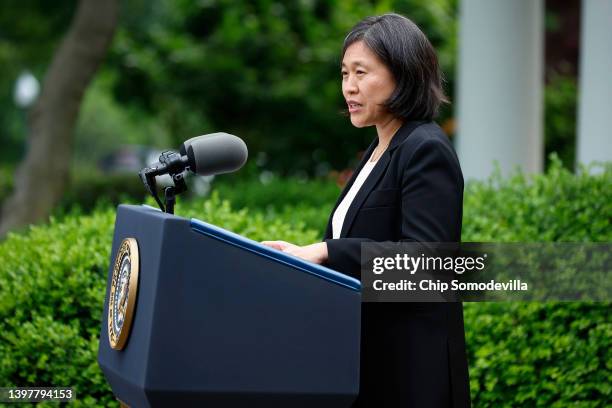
[315, 253]
[280, 245]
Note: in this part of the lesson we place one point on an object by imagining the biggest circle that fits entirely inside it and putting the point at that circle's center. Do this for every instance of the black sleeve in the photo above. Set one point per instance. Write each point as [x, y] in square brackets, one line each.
[431, 205]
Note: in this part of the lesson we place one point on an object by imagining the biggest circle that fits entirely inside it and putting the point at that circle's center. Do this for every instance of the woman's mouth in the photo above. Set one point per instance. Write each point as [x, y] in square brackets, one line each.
[354, 107]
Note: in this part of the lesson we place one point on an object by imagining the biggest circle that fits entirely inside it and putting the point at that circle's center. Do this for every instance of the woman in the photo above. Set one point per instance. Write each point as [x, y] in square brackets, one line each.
[408, 187]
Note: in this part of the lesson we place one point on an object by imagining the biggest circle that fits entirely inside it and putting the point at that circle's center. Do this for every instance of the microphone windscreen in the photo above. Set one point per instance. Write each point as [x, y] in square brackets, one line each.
[216, 153]
[185, 146]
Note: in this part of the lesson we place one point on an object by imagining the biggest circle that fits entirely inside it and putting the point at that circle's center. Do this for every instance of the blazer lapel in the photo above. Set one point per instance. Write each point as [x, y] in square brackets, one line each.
[364, 191]
[347, 187]
[377, 172]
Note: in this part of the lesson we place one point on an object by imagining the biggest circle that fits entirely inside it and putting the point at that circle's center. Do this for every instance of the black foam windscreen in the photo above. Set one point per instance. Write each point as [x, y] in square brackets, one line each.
[216, 153]
[185, 146]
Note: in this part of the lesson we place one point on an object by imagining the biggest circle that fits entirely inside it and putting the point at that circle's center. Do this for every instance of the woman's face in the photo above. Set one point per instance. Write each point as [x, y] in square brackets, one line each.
[366, 84]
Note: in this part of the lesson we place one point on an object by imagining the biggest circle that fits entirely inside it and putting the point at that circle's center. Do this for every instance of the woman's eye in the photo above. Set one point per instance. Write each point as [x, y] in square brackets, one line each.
[360, 72]
[344, 73]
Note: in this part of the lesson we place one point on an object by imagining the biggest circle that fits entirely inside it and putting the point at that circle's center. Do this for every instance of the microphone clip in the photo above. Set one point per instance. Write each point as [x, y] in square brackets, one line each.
[173, 164]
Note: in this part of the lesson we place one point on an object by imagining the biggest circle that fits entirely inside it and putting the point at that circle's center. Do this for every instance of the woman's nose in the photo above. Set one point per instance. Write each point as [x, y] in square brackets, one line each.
[350, 86]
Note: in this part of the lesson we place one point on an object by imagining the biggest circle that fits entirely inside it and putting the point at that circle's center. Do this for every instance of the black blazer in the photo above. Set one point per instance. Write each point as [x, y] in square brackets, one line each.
[412, 354]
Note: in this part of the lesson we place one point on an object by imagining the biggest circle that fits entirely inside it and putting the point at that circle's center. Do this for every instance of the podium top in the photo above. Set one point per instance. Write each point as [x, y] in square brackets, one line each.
[278, 256]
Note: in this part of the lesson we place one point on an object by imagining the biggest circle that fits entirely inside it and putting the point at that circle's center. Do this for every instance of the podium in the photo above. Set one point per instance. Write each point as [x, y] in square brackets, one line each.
[214, 319]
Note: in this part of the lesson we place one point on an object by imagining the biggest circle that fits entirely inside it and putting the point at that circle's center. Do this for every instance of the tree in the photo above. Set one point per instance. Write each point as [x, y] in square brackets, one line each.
[42, 176]
[265, 70]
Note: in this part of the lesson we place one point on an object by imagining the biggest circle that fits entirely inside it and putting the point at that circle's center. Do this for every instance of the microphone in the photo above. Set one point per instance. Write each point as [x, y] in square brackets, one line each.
[187, 143]
[205, 155]
[216, 153]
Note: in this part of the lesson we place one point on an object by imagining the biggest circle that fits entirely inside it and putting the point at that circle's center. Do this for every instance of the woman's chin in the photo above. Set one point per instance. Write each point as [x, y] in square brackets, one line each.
[358, 122]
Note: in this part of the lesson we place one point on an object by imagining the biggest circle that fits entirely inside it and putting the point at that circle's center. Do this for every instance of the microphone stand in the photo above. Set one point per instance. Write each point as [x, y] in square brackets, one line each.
[171, 192]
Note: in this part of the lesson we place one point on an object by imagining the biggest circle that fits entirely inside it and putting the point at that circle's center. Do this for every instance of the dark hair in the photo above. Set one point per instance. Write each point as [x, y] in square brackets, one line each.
[406, 51]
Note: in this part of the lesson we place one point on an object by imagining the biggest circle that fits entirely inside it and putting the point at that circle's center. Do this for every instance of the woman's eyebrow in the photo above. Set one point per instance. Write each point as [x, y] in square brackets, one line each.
[354, 63]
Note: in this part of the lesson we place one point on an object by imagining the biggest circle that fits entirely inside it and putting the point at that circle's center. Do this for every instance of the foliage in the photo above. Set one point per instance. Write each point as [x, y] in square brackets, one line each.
[104, 126]
[312, 217]
[245, 222]
[304, 200]
[556, 206]
[30, 31]
[88, 190]
[560, 112]
[296, 201]
[52, 284]
[288, 191]
[52, 281]
[6, 182]
[267, 71]
[539, 354]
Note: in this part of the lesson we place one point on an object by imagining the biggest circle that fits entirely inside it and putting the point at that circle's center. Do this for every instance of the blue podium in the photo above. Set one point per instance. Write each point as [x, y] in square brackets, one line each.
[196, 315]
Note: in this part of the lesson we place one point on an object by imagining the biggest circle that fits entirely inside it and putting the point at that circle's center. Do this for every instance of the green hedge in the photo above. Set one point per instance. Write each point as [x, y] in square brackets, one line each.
[556, 206]
[277, 192]
[52, 284]
[539, 354]
[90, 189]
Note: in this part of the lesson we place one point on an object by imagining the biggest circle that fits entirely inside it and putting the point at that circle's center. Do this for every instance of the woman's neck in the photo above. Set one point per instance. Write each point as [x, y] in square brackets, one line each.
[387, 130]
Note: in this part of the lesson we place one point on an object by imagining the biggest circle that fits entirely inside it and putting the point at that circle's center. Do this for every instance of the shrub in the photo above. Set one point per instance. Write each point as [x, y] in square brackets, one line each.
[90, 189]
[277, 193]
[52, 281]
[539, 354]
[52, 284]
[556, 206]
[314, 218]
[296, 202]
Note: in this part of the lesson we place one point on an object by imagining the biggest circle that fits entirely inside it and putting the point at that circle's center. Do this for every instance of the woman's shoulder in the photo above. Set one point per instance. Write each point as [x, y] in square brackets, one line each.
[427, 148]
[426, 136]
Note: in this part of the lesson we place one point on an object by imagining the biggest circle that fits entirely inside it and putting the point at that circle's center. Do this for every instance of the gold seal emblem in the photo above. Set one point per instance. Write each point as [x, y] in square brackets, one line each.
[124, 286]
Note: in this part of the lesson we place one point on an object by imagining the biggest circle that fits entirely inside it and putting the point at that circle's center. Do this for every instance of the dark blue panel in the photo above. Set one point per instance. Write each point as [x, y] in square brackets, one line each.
[271, 253]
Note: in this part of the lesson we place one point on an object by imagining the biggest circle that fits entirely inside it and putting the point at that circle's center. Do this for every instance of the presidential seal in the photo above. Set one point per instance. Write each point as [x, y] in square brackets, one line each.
[124, 286]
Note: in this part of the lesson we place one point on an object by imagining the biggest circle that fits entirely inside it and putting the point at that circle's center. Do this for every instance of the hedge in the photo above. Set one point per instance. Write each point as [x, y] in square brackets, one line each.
[52, 284]
[539, 354]
[559, 206]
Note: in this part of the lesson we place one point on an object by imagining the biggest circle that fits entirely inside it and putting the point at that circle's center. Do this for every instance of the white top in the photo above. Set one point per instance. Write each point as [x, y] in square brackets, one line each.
[341, 210]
